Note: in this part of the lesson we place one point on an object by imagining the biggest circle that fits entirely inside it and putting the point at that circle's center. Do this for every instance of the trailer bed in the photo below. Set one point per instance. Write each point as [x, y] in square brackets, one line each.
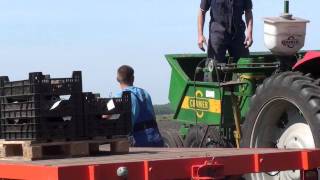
[146, 154]
[156, 163]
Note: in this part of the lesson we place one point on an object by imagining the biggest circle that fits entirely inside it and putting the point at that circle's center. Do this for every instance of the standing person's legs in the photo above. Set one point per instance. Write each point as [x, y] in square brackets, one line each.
[237, 49]
[217, 47]
[217, 51]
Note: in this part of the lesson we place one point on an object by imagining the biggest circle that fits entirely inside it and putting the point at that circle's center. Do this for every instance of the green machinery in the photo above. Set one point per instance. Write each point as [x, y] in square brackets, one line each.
[263, 101]
[197, 103]
[213, 102]
[266, 100]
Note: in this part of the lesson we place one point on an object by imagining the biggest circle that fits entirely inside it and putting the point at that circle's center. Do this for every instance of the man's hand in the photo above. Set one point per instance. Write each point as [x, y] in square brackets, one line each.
[249, 22]
[249, 40]
[201, 39]
[202, 42]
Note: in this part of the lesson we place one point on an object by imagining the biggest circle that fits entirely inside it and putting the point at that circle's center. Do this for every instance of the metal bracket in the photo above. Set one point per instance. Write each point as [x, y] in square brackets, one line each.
[208, 171]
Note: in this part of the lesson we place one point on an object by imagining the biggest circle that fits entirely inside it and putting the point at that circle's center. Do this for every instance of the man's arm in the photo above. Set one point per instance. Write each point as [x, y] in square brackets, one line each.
[201, 39]
[249, 23]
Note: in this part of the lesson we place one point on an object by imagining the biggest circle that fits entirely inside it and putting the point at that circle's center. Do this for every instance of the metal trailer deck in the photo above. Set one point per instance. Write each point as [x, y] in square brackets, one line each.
[158, 164]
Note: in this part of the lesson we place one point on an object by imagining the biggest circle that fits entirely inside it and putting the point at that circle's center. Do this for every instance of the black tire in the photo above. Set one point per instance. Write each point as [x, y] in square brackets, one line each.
[215, 139]
[171, 138]
[278, 92]
[212, 139]
[194, 136]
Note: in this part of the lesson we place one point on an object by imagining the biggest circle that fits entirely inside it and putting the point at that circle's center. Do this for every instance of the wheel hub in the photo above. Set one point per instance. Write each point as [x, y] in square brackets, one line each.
[288, 130]
[297, 136]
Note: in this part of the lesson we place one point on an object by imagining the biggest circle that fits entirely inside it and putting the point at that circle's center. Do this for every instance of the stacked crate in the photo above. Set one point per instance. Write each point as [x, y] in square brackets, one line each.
[41, 108]
[116, 112]
[47, 109]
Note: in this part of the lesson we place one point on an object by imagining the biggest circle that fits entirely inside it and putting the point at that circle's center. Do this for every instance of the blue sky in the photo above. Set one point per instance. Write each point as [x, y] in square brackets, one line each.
[97, 36]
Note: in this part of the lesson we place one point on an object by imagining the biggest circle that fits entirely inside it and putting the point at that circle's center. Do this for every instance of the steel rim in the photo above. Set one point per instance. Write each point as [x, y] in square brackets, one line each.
[288, 129]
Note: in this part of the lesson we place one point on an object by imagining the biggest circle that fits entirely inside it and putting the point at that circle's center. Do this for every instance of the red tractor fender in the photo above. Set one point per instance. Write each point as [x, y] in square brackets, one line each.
[310, 63]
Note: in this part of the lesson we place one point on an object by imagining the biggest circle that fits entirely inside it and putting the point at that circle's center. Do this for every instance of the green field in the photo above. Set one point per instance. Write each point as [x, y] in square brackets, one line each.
[163, 112]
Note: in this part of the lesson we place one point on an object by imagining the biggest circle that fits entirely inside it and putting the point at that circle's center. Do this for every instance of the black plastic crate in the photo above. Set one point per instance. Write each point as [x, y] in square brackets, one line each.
[34, 118]
[31, 129]
[42, 108]
[39, 83]
[119, 122]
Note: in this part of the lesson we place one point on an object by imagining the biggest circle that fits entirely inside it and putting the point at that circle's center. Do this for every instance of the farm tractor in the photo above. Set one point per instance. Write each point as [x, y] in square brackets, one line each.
[266, 100]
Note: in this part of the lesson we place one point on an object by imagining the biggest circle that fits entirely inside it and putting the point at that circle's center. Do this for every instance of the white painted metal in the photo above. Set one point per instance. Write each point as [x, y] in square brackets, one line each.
[283, 36]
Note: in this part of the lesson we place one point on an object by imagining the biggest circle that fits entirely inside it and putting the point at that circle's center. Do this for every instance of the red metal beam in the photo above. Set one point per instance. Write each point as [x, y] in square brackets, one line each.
[28, 172]
[101, 172]
[167, 169]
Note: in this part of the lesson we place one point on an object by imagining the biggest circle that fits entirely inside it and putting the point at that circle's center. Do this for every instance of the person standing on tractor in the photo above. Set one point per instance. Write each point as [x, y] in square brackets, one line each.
[145, 132]
[227, 31]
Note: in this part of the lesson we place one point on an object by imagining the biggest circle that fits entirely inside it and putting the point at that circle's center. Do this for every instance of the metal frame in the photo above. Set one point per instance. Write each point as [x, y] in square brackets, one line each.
[186, 168]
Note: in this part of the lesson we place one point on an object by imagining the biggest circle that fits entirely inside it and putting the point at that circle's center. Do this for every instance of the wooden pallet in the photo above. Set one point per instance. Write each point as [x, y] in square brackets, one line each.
[32, 150]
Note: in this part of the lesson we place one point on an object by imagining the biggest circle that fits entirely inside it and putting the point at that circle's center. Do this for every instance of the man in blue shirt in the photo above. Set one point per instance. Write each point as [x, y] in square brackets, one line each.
[145, 130]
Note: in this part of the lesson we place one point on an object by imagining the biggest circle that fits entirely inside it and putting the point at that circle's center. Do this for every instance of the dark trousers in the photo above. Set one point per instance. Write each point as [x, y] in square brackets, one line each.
[146, 134]
[220, 43]
[150, 137]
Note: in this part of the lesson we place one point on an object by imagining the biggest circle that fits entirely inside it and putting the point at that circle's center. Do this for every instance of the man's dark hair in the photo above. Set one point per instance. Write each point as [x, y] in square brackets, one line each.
[125, 75]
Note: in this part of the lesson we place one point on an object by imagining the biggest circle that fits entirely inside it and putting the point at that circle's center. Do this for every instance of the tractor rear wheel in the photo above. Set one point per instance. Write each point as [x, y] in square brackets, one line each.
[194, 136]
[171, 138]
[213, 137]
[284, 113]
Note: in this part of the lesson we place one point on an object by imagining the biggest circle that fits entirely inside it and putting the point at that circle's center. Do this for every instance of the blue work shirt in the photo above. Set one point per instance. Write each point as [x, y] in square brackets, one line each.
[142, 111]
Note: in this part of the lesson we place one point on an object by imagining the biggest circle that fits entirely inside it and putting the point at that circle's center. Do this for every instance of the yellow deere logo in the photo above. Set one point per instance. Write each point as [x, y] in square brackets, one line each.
[201, 104]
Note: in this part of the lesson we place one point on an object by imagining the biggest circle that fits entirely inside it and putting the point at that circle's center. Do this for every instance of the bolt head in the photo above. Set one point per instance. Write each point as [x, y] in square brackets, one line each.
[122, 172]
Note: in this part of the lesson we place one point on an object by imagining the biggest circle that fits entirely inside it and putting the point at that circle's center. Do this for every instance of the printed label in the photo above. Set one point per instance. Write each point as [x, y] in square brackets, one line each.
[210, 94]
[201, 104]
[291, 42]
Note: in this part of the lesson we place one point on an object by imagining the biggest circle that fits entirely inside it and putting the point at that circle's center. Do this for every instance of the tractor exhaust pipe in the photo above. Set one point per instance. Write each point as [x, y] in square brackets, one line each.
[286, 14]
